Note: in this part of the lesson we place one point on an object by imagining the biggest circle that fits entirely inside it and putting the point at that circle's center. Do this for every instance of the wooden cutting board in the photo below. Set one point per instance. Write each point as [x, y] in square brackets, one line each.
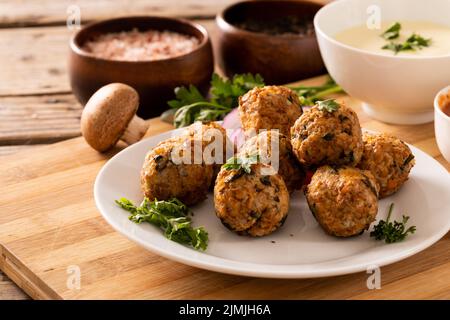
[50, 230]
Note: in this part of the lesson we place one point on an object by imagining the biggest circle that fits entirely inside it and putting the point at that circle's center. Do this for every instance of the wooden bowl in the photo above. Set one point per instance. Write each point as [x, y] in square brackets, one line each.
[279, 59]
[154, 80]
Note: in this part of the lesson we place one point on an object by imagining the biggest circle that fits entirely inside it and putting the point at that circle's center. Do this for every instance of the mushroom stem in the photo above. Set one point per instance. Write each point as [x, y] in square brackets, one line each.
[135, 130]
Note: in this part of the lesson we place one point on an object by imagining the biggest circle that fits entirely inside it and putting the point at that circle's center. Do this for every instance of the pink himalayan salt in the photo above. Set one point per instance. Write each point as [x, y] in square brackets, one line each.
[138, 45]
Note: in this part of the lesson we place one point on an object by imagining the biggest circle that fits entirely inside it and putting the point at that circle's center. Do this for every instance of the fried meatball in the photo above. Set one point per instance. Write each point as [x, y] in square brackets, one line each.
[208, 133]
[389, 159]
[344, 201]
[251, 204]
[270, 107]
[320, 137]
[200, 130]
[173, 169]
[288, 167]
[163, 178]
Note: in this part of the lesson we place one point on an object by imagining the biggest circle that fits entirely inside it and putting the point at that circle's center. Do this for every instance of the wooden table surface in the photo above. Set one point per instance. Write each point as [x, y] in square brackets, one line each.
[37, 108]
[36, 104]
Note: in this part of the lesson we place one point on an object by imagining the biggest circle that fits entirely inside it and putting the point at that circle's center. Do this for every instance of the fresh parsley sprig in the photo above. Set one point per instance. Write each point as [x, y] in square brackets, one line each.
[241, 163]
[171, 216]
[186, 96]
[329, 105]
[412, 43]
[224, 93]
[191, 105]
[310, 94]
[392, 232]
[393, 32]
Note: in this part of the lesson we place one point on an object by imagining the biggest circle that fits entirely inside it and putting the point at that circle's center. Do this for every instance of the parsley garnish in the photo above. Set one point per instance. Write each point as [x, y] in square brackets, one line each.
[408, 160]
[392, 232]
[392, 32]
[192, 106]
[416, 41]
[413, 43]
[329, 105]
[396, 47]
[241, 163]
[171, 216]
[310, 94]
[186, 96]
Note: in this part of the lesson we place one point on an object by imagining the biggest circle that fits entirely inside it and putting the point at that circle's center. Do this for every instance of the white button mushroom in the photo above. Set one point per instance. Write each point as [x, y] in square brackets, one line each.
[110, 116]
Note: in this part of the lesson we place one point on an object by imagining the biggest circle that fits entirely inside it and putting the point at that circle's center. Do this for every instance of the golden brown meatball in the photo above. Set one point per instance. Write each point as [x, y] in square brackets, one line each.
[320, 137]
[270, 107]
[201, 131]
[163, 178]
[288, 167]
[344, 201]
[208, 133]
[389, 159]
[173, 169]
[252, 204]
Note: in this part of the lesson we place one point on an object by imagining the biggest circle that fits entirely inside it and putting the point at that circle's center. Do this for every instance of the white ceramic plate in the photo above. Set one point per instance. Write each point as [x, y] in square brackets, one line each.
[300, 249]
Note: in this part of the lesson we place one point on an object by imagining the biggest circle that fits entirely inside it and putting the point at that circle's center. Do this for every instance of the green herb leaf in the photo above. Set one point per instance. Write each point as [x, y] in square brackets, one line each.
[241, 163]
[245, 82]
[396, 47]
[224, 95]
[186, 115]
[308, 95]
[192, 106]
[206, 115]
[200, 111]
[185, 96]
[222, 91]
[392, 32]
[227, 92]
[171, 216]
[392, 232]
[329, 105]
[408, 160]
[414, 42]
[417, 41]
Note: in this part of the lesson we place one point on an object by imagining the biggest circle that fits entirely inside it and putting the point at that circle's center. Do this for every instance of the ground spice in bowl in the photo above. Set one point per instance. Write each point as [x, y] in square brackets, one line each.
[135, 45]
[289, 25]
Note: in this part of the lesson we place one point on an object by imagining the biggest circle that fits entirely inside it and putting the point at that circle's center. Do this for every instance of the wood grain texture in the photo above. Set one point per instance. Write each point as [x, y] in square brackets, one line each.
[15, 13]
[34, 60]
[8, 150]
[51, 194]
[9, 290]
[38, 119]
[30, 13]
[36, 105]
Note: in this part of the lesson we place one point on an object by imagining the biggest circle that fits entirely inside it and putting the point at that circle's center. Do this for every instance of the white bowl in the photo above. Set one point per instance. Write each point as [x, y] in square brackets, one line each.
[442, 123]
[395, 89]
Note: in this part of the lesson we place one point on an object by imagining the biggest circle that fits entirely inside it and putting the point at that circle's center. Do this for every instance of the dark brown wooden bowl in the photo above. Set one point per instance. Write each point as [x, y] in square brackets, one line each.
[279, 59]
[154, 80]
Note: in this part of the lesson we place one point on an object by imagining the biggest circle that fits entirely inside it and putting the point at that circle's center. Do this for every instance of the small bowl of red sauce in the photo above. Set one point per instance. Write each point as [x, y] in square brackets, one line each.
[442, 121]
[151, 54]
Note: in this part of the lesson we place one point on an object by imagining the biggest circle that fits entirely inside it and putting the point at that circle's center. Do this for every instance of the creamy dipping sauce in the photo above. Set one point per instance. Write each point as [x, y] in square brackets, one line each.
[363, 38]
